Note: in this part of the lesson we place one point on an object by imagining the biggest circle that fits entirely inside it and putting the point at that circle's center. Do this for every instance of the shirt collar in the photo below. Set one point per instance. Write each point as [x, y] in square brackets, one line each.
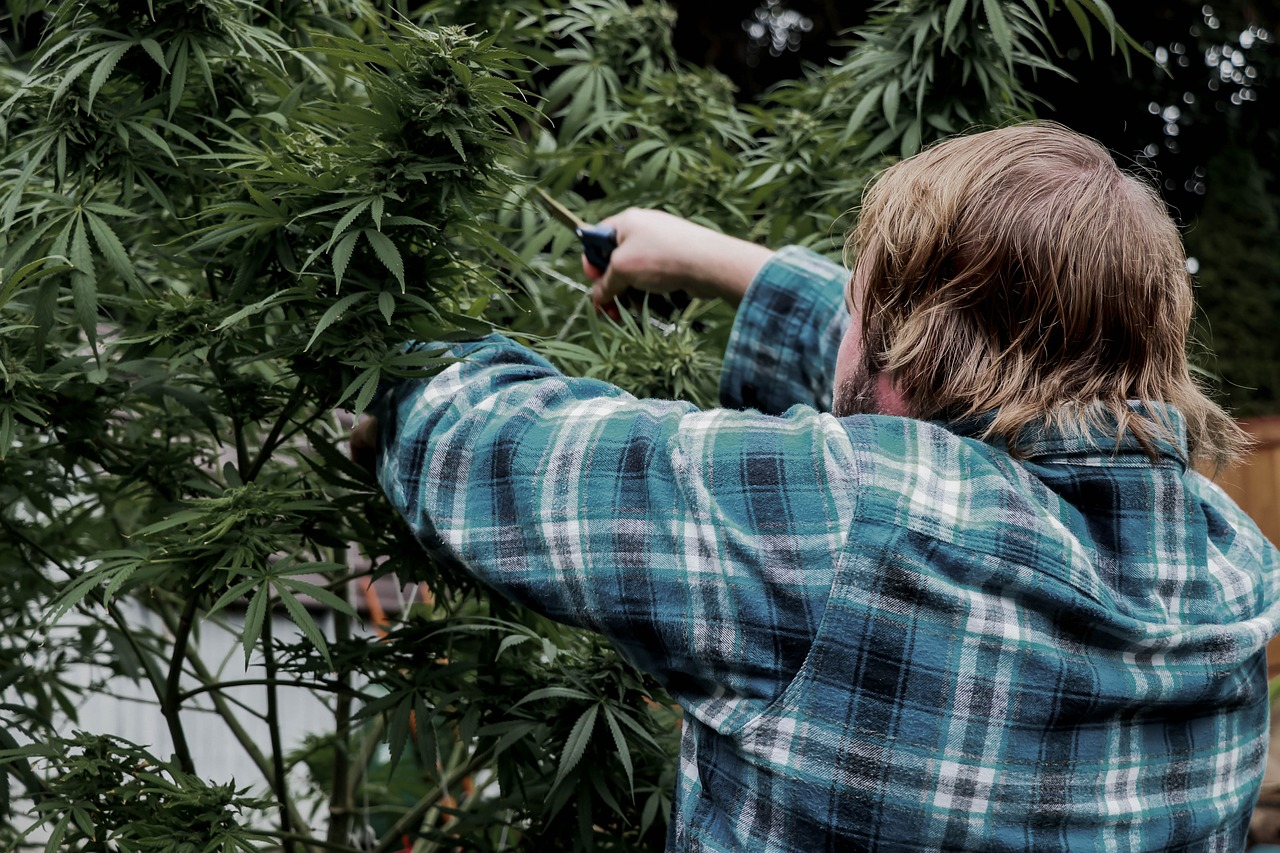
[1043, 442]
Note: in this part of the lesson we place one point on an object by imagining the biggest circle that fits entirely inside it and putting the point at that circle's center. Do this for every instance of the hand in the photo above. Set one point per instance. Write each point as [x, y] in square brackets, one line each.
[661, 253]
[364, 443]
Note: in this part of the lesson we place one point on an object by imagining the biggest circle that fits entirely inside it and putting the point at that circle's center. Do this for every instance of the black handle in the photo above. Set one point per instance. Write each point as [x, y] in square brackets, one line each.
[598, 243]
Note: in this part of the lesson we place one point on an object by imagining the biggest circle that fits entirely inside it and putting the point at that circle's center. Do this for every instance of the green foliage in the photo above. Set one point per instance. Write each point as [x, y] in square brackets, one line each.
[222, 221]
[646, 356]
[568, 731]
[921, 69]
[109, 792]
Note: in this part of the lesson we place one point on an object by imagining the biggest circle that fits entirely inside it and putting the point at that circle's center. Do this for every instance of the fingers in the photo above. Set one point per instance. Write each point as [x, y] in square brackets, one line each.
[634, 263]
[602, 293]
[604, 301]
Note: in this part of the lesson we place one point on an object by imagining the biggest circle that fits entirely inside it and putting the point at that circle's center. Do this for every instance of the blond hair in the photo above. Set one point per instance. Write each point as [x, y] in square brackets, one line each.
[1021, 271]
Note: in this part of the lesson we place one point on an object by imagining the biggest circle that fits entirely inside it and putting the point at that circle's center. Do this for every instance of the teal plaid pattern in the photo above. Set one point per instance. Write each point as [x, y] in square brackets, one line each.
[885, 633]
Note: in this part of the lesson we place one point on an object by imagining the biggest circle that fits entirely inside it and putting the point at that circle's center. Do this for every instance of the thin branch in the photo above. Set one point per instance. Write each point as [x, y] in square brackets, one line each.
[413, 818]
[23, 538]
[425, 846]
[246, 740]
[237, 428]
[166, 692]
[122, 458]
[281, 785]
[246, 707]
[339, 689]
[209, 276]
[303, 424]
[163, 689]
[294, 837]
[153, 676]
[273, 438]
[367, 748]
[341, 802]
[171, 699]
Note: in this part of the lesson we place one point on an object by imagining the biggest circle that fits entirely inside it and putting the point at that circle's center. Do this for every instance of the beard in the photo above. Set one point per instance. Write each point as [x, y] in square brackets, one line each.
[857, 394]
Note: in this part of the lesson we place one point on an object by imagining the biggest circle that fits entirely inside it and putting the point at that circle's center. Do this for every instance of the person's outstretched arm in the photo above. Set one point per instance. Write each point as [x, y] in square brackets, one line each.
[661, 253]
[791, 314]
[704, 544]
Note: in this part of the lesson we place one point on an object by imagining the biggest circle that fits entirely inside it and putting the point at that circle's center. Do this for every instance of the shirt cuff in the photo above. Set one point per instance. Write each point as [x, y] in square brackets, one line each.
[782, 350]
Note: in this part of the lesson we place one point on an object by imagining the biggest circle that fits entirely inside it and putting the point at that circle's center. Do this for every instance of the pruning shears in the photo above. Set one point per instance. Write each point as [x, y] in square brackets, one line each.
[598, 241]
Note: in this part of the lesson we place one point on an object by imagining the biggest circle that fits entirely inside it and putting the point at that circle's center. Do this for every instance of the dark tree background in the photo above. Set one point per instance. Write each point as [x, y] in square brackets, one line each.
[1202, 121]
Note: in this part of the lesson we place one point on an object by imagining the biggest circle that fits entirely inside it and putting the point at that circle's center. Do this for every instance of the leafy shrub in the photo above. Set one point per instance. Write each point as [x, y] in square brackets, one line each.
[222, 220]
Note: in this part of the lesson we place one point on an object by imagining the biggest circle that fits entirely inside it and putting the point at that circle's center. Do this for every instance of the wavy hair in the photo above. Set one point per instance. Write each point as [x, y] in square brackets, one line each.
[1020, 271]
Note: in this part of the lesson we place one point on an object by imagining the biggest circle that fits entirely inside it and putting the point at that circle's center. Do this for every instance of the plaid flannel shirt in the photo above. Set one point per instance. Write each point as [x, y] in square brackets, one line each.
[885, 633]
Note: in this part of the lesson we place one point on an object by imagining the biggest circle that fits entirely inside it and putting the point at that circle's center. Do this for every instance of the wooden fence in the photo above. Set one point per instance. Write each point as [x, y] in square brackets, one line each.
[1255, 485]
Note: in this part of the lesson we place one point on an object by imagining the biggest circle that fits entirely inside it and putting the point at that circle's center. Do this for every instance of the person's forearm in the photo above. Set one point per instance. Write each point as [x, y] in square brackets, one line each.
[729, 266]
[661, 253]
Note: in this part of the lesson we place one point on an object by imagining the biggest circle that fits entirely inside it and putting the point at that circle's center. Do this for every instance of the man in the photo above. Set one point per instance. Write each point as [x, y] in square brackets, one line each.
[986, 603]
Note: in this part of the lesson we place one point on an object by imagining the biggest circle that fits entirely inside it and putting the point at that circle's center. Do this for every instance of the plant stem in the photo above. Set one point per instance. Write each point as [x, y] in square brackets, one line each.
[281, 786]
[171, 700]
[264, 682]
[210, 277]
[39, 549]
[316, 842]
[245, 739]
[361, 763]
[414, 816]
[427, 846]
[341, 799]
[153, 675]
[237, 427]
[303, 424]
[163, 689]
[269, 445]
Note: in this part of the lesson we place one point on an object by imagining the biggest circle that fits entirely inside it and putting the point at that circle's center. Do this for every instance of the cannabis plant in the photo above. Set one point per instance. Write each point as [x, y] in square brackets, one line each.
[223, 222]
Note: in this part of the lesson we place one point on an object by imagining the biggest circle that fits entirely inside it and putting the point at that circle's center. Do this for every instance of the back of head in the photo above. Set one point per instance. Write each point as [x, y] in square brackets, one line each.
[1020, 270]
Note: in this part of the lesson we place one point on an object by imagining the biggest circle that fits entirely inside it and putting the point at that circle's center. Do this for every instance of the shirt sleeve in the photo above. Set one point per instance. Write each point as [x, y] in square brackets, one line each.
[782, 350]
[702, 543]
